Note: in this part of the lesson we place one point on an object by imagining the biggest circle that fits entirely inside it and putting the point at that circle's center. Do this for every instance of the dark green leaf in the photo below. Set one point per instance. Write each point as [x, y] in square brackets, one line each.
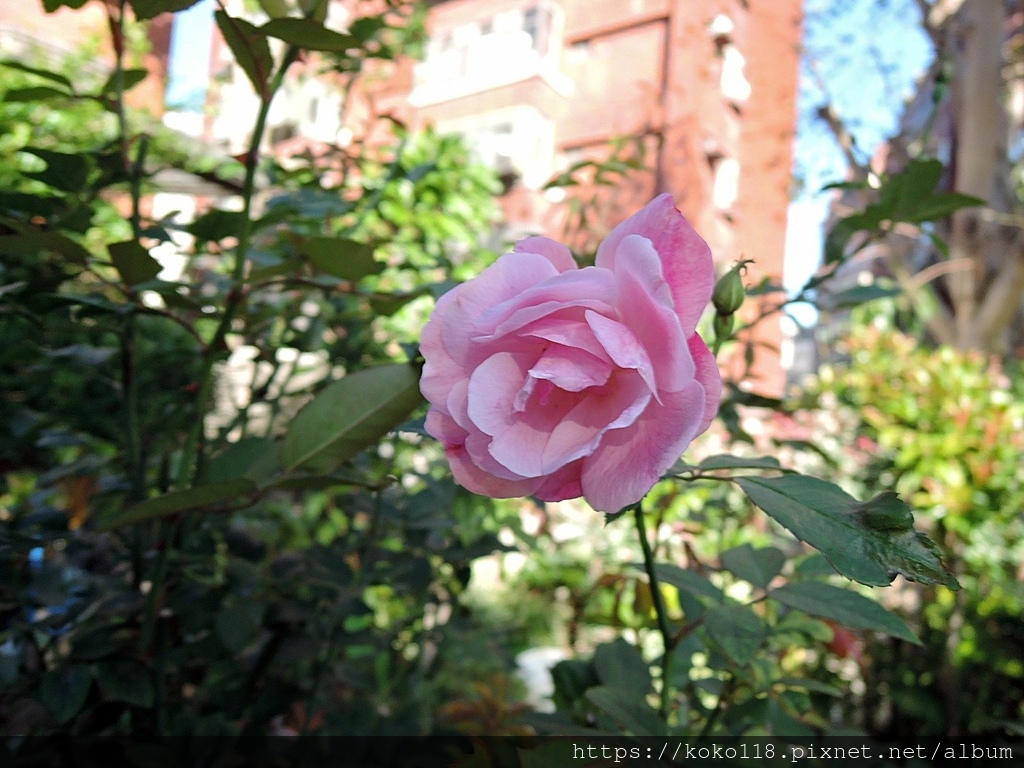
[129, 79]
[619, 665]
[308, 34]
[215, 225]
[133, 262]
[758, 566]
[32, 243]
[737, 630]
[886, 512]
[147, 9]
[254, 458]
[340, 257]
[912, 184]
[351, 414]
[180, 501]
[64, 691]
[843, 606]
[238, 624]
[386, 305]
[52, 5]
[939, 206]
[126, 681]
[572, 678]
[726, 461]
[633, 715]
[64, 171]
[861, 294]
[250, 49]
[844, 229]
[809, 684]
[687, 581]
[365, 28]
[33, 93]
[824, 515]
[46, 74]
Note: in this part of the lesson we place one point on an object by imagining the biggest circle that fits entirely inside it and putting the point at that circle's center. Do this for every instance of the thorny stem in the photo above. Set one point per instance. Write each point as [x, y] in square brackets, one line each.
[659, 610]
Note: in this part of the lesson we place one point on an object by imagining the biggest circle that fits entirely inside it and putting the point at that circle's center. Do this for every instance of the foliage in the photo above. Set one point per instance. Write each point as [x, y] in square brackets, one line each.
[944, 428]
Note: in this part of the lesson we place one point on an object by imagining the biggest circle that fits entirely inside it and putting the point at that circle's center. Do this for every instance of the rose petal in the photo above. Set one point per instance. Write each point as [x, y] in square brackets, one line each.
[685, 257]
[571, 333]
[464, 470]
[456, 311]
[563, 484]
[589, 288]
[571, 369]
[645, 308]
[622, 346]
[552, 250]
[709, 377]
[630, 461]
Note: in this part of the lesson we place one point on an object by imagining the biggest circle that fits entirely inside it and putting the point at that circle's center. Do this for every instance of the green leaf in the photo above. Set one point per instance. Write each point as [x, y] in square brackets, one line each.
[939, 206]
[52, 5]
[254, 458]
[64, 691]
[824, 516]
[341, 257]
[737, 630]
[32, 243]
[147, 9]
[843, 606]
[308, 34]
[250, 49]
[886, 512]
[365, 28]
[633, 715]
[133, 262]
[46, 74]
[809, 684]
[129, 79]
[619, 665]
[758, 566]
[126, 681]
[841, 232]
[686, 580]
[861, 294]
[387, 304]
[571, 678]
[726, 461]
[33, 93]
[181, 501]
[912, 184]
[64, 171]
[237, 624]
[351, 414]
[215, 225]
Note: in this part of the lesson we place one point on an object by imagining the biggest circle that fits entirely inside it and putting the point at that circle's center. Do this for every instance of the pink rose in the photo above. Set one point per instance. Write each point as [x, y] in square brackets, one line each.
[559, 382]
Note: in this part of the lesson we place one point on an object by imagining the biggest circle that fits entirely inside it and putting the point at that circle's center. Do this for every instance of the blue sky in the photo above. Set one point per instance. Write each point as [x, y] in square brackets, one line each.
[189, 64]
[863, 57]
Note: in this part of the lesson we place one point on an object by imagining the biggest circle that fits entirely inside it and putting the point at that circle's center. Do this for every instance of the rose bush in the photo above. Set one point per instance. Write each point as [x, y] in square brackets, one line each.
[560, 382]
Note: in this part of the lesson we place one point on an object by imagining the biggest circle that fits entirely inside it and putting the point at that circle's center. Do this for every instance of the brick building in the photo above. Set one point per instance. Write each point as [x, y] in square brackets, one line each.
[707, 88]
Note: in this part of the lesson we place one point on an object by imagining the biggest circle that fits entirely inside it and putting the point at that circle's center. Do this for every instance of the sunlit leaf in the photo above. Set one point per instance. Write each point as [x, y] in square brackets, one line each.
[350, 415]
[843, 606]
[825, 516]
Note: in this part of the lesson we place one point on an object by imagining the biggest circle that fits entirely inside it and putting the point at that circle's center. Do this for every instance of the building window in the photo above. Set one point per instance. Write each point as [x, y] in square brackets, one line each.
[496, 49]
[537, 23]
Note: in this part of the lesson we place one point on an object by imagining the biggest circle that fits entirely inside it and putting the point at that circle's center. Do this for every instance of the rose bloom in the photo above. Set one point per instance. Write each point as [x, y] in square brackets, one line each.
[553, 381]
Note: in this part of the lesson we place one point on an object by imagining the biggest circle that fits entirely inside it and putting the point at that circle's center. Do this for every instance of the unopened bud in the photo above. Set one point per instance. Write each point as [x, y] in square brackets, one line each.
[729, 292]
